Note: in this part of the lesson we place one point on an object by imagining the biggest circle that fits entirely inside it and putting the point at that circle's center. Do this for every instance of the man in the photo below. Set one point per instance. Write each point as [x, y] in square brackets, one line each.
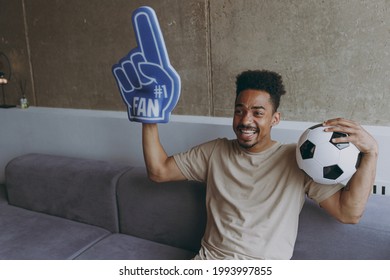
[255, 190]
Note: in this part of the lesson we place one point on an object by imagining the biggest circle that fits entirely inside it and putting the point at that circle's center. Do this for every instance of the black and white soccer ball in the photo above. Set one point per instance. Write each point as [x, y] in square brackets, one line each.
[326, 162]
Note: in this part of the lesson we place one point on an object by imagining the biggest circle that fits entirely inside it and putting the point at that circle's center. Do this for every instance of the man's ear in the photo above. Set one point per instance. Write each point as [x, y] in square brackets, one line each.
[275, 119]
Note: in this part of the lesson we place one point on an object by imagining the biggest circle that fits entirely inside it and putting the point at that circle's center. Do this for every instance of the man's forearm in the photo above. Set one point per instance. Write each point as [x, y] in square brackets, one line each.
[353, 199]
[154, 153]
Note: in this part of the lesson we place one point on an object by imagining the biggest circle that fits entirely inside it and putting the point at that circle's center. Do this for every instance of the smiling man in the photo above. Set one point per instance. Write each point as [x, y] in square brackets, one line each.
[255, 190]
[257, 100]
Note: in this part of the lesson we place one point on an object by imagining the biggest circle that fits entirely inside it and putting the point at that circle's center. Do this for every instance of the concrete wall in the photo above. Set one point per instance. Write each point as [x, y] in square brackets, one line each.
[333, 55]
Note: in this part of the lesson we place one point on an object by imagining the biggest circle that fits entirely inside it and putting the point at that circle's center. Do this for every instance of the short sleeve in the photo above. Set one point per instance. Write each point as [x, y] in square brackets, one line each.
[194, 162]
[320, 192]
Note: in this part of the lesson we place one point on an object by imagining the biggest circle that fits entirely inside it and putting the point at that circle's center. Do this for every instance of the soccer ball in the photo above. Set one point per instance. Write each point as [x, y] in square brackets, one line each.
[326, 162]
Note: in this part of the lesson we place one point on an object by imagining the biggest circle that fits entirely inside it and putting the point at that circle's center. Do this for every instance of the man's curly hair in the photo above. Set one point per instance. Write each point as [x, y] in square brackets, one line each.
[268, 81]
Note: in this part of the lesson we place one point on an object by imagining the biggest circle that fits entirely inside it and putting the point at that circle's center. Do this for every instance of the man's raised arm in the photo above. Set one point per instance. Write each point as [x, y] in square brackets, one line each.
[348, 204]
[160, 166]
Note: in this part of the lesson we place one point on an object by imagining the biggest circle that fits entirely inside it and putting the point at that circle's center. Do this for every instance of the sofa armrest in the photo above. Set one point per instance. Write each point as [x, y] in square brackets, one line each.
[78, 189]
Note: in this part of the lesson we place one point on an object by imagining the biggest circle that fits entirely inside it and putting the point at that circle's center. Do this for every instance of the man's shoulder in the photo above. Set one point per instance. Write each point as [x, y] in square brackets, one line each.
[289, 146]
[218, 142]
[285, 148]
[210, 146]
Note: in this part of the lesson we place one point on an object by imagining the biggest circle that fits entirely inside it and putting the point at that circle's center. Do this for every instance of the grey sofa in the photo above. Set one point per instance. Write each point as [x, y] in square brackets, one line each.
[56, 207]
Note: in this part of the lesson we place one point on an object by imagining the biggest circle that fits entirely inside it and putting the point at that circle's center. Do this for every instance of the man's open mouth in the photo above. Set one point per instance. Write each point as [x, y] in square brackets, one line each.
[247, 130]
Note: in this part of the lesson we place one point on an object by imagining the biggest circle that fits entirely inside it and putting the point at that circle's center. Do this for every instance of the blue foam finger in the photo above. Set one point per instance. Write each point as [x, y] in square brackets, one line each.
[148, 83]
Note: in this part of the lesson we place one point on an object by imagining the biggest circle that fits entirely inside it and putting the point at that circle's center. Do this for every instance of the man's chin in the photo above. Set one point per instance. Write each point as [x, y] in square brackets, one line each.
[246, 145]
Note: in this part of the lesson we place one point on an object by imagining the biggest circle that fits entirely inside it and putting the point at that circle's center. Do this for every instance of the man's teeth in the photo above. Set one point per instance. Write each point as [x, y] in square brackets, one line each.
[248, 131]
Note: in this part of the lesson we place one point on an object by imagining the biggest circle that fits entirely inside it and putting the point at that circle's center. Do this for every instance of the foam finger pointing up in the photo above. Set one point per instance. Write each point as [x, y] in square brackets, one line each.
[149, 36]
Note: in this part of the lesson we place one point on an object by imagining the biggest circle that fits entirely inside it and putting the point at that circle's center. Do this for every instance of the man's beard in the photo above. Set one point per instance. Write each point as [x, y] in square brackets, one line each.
[247, 146]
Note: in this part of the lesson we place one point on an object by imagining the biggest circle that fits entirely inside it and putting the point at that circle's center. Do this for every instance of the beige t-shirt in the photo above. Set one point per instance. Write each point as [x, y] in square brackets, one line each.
[253, 200]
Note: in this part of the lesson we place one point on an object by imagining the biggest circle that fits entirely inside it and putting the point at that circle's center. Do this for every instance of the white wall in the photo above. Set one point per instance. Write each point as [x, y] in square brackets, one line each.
[107, 135]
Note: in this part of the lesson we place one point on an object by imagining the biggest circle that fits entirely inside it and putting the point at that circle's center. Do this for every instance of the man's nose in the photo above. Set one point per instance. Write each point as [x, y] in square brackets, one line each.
[247, 118]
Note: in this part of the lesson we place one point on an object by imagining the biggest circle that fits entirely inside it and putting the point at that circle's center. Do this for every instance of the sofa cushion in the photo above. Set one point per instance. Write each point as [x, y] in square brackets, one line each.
[28, 235]
[77, 189]
[170, 213]
[126, 247]
[321, 237]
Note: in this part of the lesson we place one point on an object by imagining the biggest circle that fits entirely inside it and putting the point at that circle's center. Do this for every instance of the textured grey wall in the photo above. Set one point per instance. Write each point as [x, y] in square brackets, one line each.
[334, 55]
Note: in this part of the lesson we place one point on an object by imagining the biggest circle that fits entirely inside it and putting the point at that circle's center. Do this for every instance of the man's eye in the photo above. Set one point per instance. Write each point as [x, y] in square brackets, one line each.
[258, 113]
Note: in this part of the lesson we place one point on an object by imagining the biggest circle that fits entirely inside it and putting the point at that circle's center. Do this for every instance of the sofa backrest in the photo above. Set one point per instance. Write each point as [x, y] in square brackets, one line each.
[171, 213]
[78, 189]
[321, 237]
